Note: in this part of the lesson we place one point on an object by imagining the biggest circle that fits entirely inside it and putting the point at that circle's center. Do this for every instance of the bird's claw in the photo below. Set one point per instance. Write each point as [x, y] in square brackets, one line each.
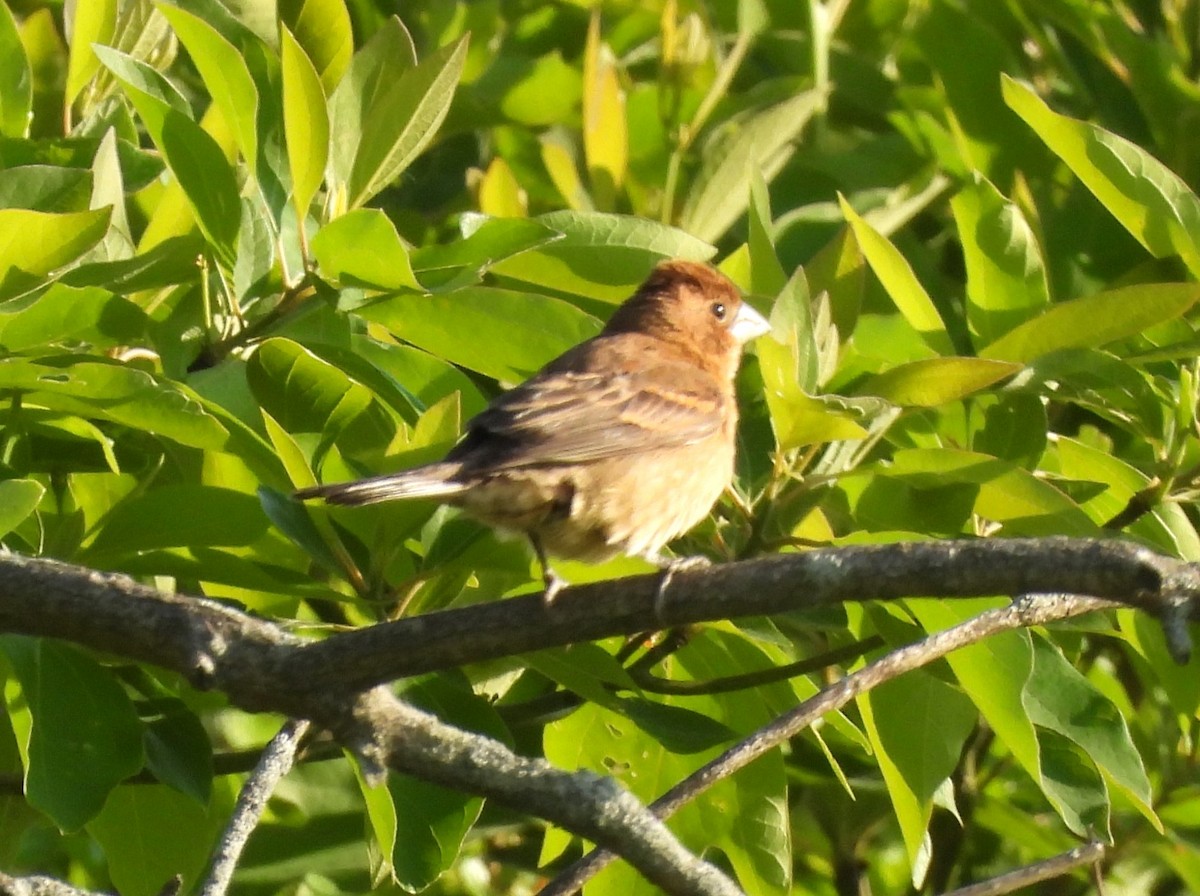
[554, 584]
[669, 568]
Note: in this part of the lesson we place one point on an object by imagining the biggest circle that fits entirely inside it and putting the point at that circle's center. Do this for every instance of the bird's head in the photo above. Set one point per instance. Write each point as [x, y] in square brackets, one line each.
[696, 309]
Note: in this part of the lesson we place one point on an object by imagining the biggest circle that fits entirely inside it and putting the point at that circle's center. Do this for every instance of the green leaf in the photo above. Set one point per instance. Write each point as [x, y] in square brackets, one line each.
[18, 499]
[120, 394]
[1094, 321]
[150, 833]
[302, 392]
[305, 123]
[754, 142]
[488, 242]
[918, 726]
[837, 271]
[502, 334]
[92, 23]
[1006, 276]
[16, 80]
[45, 188]
[65, 313]
[1058, 697]
[82, 737]
[194, 157]
[183, 514]
[601, 255]
[322, 28]
[900, 282]
[362, 248]
[179, 753]
[224, 73]
[936, 381]
[32, 244]
[1073, 786]
[143, 78]
[1149, 200]
[373, 71]
[378, 134]
[677, 728]
[433, 822]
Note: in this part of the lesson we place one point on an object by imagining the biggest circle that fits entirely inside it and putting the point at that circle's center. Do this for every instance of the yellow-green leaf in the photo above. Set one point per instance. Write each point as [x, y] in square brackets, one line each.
[900, 282]
[1094, 321]
[305, 122]
[935, 381]
[605, 133]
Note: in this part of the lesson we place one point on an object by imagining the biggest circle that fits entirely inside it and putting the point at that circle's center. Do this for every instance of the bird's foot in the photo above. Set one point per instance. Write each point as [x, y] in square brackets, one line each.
[669, 567]
[554, 584]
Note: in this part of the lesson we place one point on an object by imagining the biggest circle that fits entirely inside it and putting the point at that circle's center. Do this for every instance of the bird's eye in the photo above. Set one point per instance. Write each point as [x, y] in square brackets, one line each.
[718, 310]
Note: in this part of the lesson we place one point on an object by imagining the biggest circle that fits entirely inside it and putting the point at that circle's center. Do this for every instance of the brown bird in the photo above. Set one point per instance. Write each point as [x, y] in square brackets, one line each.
[615, 447]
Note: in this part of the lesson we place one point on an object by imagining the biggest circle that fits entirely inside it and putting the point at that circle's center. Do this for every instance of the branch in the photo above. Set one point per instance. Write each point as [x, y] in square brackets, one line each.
[216, 647]
[1112, 570]
[261, 667]
[276, 761]
[1027, 611]
[1056, 866]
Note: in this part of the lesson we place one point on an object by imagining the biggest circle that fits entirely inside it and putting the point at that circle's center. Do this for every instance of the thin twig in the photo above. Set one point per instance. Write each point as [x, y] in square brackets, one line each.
[1027, 611]
[1086, 854]
[275, 762]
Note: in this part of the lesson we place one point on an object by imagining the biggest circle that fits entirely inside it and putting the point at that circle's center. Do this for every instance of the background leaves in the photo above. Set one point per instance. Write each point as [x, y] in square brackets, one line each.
[249, 247]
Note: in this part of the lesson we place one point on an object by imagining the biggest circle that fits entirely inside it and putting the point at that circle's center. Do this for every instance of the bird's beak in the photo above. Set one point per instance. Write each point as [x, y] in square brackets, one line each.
[748, 324]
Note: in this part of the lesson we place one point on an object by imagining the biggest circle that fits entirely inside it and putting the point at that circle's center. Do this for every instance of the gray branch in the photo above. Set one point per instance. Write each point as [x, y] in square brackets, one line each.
[333, 682]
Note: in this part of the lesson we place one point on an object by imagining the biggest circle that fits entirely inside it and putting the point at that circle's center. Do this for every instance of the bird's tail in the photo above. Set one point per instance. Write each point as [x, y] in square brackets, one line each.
[431, 481]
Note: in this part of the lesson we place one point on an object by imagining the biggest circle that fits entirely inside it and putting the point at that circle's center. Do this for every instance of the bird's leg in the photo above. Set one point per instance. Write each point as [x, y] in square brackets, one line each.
[553, 582]
[670, 566]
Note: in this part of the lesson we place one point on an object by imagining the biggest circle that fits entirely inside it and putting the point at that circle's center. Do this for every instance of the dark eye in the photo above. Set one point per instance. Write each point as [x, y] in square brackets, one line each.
[718, 310]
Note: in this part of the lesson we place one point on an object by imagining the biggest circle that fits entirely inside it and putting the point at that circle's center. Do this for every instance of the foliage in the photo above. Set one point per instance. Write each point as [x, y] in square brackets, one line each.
[246, 244]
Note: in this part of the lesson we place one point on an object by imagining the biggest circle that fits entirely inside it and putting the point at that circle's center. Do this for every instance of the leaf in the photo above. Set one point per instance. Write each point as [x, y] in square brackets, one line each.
[1149, 200]
[179, 515]
[194, 157]
[1006, 276]
[322, 28]
[433, 822]
[32, 244]
[399, 122]
[751, 143]
[372, 71]
[900, 282]
[936, 381]
[601, 255]
[362, 248]
[1058, 697]
[677, 728]
[918, 726]
[302, 392]
[91, 23]
[464, 261]
[502, 334]
[18, 499]
[305, 123]
[16, 80]
[65, 313]
[224, 72]
[82, 736]
[179, 753]
[150, 834]
[119, 394]
[605, 142]
[1093, 321]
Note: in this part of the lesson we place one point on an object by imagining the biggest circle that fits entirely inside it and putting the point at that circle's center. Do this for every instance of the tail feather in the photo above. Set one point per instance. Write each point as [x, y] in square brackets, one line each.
[432, 481]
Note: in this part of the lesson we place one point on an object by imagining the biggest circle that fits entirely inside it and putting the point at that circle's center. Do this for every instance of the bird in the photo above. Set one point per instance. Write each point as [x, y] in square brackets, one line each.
[619, 445]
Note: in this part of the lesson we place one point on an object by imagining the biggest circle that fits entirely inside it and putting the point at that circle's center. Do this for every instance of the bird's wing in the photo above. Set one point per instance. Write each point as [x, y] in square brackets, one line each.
[576, 416]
